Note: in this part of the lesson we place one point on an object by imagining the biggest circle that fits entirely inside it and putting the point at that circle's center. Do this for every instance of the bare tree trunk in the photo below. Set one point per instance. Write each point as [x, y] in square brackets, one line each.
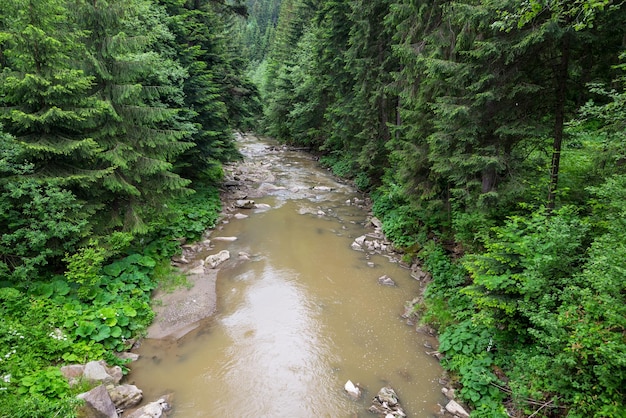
[559, 118]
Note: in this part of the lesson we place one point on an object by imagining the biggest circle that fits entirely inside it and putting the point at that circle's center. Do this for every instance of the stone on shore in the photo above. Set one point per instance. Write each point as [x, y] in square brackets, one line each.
[156, 409]
[386, 404]
[97, 371]
[454, 408]
[215, 260]
[98, 404]
[244, 204]
[125, 396]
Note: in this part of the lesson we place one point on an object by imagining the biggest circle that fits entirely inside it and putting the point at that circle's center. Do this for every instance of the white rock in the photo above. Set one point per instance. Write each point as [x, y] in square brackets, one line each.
[152, 410]
[376, 222]
[215, 260]
[356, 247]
[454, 408]
[244, 204]
[227, 239]
[95, 372]
[360, 240]
[352, 390]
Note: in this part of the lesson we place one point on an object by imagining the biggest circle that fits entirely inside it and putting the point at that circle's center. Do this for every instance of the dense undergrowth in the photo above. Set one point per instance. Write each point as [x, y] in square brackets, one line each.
[94, 308]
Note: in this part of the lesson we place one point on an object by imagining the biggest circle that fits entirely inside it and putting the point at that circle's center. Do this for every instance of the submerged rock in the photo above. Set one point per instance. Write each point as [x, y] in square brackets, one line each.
[386, 281]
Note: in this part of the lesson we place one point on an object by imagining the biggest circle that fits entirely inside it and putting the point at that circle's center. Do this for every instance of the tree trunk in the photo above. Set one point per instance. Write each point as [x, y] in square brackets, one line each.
[559, 118]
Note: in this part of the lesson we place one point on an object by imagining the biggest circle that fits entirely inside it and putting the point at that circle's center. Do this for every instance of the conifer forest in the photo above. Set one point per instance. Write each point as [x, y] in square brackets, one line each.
[489, 134]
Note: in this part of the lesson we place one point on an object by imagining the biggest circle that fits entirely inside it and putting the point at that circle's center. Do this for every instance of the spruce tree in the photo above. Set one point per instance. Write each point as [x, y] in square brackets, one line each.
[47, 102]
[142, 133]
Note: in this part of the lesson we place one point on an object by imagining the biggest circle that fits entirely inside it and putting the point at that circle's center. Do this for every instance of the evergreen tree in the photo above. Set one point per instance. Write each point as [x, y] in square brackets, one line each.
[47, 103]
[141, 135]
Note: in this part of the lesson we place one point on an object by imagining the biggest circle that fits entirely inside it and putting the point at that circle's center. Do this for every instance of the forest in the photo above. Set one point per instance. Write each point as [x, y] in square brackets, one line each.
[490, 134]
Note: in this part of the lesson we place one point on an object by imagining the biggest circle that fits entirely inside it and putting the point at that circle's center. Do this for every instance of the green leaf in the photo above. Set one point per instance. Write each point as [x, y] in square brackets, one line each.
[116, 332]
[85, 329]
[146, 261]
[104, 332]
[114, 269]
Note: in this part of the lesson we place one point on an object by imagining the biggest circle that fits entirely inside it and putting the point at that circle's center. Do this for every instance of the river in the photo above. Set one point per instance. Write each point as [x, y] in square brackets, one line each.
[298, 317]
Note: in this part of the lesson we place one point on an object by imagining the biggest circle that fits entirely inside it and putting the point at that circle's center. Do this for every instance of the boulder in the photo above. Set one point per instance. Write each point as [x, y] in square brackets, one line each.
[360, 240]
[240, 216]
[125, 396]
[448, 393]
[454, 408]
[352, 390]
[156, 409]
[376, 222]
[127, 355]
[115, 372]
[386, 404]
[98, 404]
[96, 372]
[386, 281]
[215, 260]
[244, 204]
[73, 373]
[356, 247]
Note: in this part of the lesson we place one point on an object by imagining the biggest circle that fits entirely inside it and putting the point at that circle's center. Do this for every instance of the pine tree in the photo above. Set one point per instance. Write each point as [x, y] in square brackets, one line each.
[142, 133]
[47, 103]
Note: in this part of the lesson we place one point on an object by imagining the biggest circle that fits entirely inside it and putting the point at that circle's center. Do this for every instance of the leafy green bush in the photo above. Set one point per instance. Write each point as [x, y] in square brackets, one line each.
[444, 301]
[39, 224]
[340, 164]
[467, 348]
[186, 218]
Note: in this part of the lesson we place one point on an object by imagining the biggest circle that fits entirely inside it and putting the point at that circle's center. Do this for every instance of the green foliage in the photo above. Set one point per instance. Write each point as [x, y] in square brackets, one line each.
[49, 382]
[443, 299]
[83, 268]
[38, 406]
[518, 281]
[190, 217]
[468, 352]
[40, 222]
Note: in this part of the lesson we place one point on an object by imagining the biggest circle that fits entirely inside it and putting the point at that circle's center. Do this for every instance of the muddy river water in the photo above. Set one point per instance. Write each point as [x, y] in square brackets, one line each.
[298, 317]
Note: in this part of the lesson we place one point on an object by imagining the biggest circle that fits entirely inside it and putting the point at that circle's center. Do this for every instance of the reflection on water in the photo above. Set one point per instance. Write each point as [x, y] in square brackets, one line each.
[297, 321]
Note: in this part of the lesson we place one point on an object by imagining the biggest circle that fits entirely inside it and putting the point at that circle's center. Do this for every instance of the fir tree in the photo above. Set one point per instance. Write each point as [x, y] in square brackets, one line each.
[47, 103]
[141, 135]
